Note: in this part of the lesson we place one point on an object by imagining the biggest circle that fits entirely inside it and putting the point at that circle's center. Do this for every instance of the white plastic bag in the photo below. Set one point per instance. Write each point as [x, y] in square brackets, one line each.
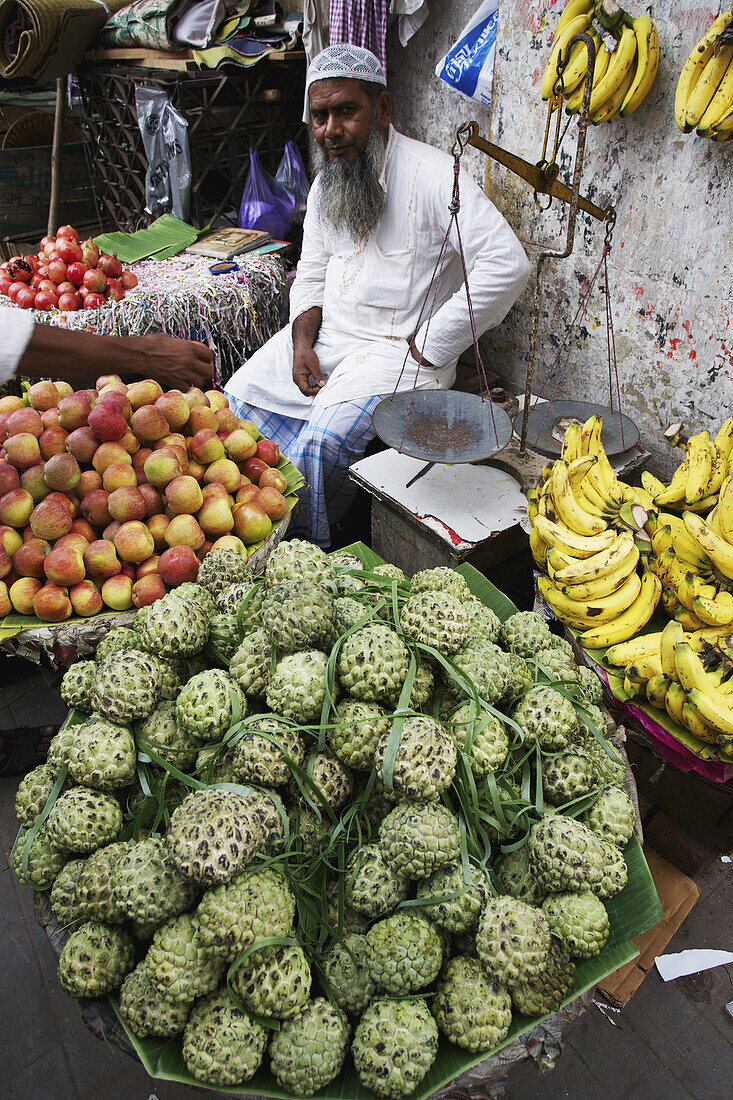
[468, 67]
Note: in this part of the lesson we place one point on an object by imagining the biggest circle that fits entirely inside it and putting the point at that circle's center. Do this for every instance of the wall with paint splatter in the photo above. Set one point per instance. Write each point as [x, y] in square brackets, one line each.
[669, 271]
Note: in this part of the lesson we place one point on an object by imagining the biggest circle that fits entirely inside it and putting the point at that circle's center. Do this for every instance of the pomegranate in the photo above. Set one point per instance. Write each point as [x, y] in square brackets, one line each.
[67, 231]
[115, 290]
[52, 255]
[26, 297]
[83, 290]
[46, 300]
[69, 302]
[57, 270]
[96, 280]
[110, 265]
[20, 270]
[94, 301]
[5, 284]
[49, 246]
[69, 250]
[13, 289]
[76, 271]
[42, 271]
[90, 251]
[32, 262]
[36, 280]
[128, 279]
[65, 288]
[47, 240]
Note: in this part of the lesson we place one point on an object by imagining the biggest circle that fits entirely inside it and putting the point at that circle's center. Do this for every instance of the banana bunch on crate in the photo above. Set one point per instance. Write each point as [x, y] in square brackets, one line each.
[622, 75]
[588, 539]
[687, 673]
[704, 97]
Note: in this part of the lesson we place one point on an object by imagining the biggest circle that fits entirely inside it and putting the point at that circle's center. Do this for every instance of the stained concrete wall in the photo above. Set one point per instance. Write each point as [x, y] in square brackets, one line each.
[670, 265]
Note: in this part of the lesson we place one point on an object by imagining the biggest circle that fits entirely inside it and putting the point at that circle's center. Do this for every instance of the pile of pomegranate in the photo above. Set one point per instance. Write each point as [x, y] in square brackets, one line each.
[65, 274]
[110, 496]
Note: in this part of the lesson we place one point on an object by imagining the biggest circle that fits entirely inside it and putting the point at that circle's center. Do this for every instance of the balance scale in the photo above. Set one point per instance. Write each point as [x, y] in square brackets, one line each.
[448, 426]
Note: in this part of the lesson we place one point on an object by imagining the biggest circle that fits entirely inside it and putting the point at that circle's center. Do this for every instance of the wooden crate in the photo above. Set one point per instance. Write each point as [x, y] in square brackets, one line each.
[25, 184]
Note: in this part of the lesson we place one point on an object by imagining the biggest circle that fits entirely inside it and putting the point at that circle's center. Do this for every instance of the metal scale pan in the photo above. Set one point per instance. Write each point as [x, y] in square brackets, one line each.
[442, 425]
[549, 419]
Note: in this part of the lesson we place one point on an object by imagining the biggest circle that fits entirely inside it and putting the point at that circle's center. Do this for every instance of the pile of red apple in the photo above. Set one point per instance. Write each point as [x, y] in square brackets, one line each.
[110, 496]
[65, 274]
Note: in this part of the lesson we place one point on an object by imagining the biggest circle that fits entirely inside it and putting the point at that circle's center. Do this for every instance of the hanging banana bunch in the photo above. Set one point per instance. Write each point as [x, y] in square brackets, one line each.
[622, 75]
[704, 97]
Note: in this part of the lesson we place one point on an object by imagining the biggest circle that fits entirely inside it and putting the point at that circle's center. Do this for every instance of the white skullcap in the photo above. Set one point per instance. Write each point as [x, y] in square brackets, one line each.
[344, 60]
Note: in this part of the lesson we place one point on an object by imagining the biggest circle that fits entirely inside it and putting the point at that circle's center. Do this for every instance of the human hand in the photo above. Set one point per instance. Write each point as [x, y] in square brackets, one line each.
[176, 363]
[418, 357]
[305, 367]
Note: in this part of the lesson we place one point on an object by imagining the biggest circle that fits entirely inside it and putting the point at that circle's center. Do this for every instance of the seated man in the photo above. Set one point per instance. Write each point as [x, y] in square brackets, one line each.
[376, 219]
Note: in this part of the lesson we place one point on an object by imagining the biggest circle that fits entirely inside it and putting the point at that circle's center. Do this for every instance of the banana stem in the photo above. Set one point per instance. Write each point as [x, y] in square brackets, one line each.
[609, 14]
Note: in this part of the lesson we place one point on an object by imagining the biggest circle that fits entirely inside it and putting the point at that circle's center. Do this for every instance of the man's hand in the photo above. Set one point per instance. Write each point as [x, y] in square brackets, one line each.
[418, 357]
[177, 363]
[305, 367]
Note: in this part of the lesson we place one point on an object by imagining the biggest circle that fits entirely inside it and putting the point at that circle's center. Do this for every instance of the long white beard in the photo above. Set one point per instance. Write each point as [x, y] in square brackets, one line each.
[352, 198]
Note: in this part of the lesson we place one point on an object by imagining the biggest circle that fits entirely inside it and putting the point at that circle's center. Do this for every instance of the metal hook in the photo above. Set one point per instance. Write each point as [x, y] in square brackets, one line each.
[459, 144]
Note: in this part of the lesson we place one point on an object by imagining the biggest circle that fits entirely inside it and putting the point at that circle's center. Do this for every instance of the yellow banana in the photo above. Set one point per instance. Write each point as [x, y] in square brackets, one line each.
[720, 104]
[694, 67]
[694, 723]
[647, 53]
[620, 65]
[724, 512]
[712, 710]
[672, 636]
[578, 468]
[613, 104]
[570, 446]
[706, 87]
[573, 26]
[717, 549]
[636, 494]
[687, 619]
[599, 564]
[575, 101]
[629, 622]
[592, 491]
[605, 585]
[724, 438]
[718, 470]
[642, 670]
[677, 576]
[574, 76]
[569, 542]
[656, 690]
[691, 672]
[538, 548]
[716, 610]
[571, 11]
[675, 491]
[674, 701]
[622, 654]
[684, 546]
[590, 435]
[583, 615]
[702, 507]
[651, 483]
[699, 467]
[567, 507]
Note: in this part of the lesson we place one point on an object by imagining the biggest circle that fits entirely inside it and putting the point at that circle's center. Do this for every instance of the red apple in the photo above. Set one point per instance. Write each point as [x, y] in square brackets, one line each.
[178, 564]
[147, 590]
[107, 422]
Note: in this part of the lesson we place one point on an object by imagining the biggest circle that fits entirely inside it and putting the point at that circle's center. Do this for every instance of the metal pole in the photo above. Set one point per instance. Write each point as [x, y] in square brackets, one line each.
[58, 129]
[543, 256]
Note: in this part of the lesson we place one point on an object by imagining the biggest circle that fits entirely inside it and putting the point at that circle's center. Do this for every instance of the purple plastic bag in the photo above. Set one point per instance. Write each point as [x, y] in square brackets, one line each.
[266, 204]
[292, 174]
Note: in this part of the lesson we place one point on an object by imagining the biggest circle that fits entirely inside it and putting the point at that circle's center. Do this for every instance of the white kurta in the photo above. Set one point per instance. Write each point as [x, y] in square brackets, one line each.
[372, 293]
[16, 329]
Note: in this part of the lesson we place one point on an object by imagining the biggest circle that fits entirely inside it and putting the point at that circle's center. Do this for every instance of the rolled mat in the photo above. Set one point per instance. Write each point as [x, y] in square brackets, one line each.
[45, 39]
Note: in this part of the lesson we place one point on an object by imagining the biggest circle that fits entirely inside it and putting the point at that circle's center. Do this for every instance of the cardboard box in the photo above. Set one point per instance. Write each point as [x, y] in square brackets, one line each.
[678, 894]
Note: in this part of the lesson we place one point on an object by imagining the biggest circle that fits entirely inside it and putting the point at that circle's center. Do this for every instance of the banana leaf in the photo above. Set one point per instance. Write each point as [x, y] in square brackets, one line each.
[631, 912]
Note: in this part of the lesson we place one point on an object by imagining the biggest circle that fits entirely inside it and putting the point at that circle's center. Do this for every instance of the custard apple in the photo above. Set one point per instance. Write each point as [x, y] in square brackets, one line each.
[147, 887]
[32, 793]
[269, 812]
[342, 918]
[82, 820]
[481, 736]
[144, 1010]
[513, 940]
[220, 568]
[486, 666]
[310, 827]
[196, 593]
[224, 636]
[471, 1010]
[615, 873]
[395, 1044]
[117, 641]
[44, 858]
[373, 887]
[329, 776]
[161, 733]
[208, 704]
[567, 776]
[127, 686]
[564, 855]
[543, 991]
[265, 751]
[514, 877]
[212, 835]
[422, 687]
[298, 560]
[77, 685]
[250, 663]
[171, 678]
[346, 971]
[460, 911]
[221, 1044]
[548, 717]
[419, 838]
[425, 762]
[94, 886]
[58, 749]
[391, 572]
[255, 904]
[485, 624]
[591, 685]
[521, 677]
[103, 754]
[215, 764]
[274, 981]
[245, 597]
[373, 663]
[610, 770]
[441, 579]
[63, 892]
[95, 959]
[404, 952]
[557, 664]
[347, 613]
[612, 816]
[580, 921]
[173, 627]
[355, 730]
[178, 966]
[297, 686]
[524, 633]
[298, 614]
[308, 1051]
[436, 619]
[343, 559]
